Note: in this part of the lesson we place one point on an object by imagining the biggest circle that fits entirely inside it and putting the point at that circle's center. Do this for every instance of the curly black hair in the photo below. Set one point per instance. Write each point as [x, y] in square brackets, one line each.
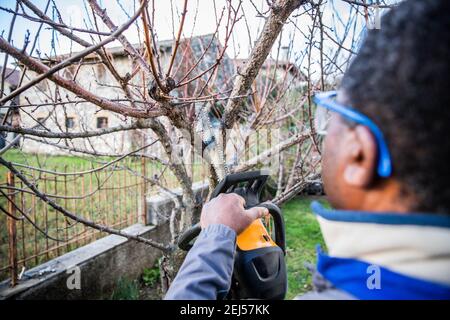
[400, 78]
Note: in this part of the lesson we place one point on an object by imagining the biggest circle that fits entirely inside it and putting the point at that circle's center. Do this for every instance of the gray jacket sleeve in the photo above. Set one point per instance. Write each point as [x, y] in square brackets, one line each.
[206, 271]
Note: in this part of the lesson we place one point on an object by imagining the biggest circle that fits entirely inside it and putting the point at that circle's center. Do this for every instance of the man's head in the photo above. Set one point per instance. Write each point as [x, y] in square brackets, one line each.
[401, 80]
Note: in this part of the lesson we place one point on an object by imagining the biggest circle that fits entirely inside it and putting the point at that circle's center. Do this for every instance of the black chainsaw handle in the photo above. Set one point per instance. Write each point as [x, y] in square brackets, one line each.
[278, 221]
[187, 236]
[190, 234]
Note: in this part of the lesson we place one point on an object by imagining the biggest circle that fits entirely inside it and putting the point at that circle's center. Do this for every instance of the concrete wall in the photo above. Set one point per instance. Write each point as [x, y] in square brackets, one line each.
[160, 207]
[101, 264]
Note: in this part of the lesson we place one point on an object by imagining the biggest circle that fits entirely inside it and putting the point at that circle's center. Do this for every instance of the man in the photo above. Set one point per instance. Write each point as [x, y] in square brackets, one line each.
[385, 171]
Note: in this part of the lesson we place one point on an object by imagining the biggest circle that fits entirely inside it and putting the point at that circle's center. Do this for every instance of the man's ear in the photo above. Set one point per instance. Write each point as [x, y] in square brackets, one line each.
[361, 158]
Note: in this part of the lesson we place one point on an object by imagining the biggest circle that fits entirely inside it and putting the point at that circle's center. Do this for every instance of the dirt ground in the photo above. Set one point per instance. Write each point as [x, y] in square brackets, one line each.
[150, 292]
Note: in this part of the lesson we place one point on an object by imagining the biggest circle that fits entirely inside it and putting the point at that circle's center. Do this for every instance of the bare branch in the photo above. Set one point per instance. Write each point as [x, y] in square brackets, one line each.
[177, 41]
[72, 135]
[279, 14]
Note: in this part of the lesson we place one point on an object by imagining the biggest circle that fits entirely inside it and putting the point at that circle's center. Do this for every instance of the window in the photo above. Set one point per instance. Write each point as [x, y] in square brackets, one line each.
[40, 123]
[102, 122]
[101, 72]
[70, 122]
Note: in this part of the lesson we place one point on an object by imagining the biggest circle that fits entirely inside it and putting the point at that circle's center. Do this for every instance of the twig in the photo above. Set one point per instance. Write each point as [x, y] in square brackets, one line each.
[177, 41]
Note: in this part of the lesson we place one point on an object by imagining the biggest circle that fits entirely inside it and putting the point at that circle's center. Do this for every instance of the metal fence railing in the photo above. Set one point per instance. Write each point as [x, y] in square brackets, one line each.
[114, 196]
[33, 232]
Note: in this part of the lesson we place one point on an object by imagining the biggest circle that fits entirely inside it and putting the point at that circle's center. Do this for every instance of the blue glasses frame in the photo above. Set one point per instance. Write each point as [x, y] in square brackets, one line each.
[325, 99]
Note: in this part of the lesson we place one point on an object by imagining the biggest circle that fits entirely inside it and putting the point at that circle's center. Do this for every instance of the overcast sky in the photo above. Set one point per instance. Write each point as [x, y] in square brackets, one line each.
[200, 19]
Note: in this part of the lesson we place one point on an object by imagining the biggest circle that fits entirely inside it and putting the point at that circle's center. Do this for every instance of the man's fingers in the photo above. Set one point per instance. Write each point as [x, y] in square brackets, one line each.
[241, 199]
[256, 212]
[232, 197]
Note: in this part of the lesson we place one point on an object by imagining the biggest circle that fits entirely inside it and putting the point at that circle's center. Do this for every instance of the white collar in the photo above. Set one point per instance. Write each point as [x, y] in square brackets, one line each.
[417, 250]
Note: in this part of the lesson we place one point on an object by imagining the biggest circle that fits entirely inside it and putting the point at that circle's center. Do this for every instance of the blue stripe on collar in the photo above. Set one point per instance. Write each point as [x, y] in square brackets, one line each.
[357, 278]
[420, 219]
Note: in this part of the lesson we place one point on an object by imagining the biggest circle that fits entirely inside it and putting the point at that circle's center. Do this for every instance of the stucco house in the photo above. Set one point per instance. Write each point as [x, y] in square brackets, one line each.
[93, 76]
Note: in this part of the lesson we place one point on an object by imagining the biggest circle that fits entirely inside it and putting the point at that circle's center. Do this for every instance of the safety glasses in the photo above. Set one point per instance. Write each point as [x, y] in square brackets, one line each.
[326, 103]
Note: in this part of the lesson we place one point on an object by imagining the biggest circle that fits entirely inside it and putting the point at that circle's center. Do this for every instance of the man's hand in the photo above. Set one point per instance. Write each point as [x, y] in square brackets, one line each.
[228, 209]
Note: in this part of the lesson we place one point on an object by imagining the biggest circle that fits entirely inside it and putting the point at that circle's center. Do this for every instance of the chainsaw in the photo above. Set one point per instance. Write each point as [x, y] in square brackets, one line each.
[259, 265]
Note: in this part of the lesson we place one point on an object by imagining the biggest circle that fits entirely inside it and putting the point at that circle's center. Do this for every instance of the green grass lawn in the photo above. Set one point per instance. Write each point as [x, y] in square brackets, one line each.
[302, 236]
[45, 161]
[72, 163]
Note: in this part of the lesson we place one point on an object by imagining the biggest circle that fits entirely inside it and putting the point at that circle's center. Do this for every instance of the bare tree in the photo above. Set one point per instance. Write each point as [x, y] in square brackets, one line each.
[190, 93]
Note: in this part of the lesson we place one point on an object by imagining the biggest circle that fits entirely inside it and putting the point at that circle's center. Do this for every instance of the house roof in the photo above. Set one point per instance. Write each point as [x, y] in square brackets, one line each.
[271, 63]
[163, 45]
[185, 58]
[12, 76]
